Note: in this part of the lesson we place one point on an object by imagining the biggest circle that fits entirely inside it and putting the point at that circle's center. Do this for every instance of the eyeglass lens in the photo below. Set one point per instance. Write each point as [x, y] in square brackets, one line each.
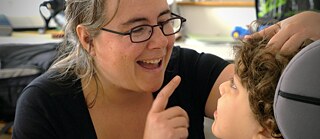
[144, 32]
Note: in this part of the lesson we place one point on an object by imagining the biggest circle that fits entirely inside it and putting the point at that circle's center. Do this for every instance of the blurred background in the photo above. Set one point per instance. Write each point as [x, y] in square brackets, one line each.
[212, 26]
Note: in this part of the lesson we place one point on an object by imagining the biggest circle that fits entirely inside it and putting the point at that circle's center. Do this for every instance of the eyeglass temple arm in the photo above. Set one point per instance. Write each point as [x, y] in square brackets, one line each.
[182, 18]
[120, 33]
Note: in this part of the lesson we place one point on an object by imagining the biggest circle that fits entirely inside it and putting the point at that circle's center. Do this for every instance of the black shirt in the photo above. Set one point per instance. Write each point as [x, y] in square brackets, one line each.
[57, 109]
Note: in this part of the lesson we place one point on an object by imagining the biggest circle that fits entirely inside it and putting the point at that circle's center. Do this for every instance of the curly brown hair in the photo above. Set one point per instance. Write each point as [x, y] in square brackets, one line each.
[259, 68]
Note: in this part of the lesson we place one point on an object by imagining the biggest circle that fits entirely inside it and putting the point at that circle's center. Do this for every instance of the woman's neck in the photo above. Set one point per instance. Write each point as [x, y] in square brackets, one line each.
[101, 95]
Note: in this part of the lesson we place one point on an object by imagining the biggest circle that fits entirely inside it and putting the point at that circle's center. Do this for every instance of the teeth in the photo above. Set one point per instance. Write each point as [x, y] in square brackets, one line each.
[151, 61]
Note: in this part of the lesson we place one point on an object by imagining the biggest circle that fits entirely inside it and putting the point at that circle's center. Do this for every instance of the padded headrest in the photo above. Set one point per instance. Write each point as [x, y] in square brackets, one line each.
[297, 97]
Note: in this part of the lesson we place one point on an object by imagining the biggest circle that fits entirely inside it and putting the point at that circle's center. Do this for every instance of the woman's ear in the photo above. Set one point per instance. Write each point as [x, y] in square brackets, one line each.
[85, 39]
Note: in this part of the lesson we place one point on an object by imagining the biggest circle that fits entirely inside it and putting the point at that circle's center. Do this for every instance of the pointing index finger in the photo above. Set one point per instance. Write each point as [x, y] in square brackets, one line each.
[160, 102]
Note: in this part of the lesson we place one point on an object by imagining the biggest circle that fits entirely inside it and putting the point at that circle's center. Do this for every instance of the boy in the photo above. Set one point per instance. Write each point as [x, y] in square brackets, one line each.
[245, 108]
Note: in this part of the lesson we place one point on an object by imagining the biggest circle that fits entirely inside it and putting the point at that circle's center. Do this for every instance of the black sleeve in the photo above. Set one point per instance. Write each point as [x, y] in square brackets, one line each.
[31, 120]
[53, 109]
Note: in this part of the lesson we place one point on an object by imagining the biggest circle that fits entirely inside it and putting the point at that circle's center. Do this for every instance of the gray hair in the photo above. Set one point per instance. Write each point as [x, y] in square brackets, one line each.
[74, 59]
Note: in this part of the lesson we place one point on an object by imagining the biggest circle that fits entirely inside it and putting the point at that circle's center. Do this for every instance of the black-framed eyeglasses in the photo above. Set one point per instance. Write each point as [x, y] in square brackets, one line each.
[143, 33]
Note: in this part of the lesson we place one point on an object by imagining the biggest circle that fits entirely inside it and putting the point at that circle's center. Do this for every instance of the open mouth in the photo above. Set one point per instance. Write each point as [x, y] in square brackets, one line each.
[150, 64]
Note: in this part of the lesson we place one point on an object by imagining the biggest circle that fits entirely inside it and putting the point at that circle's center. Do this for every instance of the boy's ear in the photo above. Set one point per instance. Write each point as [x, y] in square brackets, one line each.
[85, 39]
[265, 133]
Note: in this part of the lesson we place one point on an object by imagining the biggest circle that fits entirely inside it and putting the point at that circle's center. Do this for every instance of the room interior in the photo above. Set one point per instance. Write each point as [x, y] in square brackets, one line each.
[208, 28]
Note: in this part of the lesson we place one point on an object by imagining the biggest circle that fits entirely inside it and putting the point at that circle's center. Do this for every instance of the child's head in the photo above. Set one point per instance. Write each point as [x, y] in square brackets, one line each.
[245, 109]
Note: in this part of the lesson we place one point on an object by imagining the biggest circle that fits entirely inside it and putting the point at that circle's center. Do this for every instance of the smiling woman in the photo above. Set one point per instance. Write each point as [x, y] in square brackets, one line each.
[108, 85]
[115, 74]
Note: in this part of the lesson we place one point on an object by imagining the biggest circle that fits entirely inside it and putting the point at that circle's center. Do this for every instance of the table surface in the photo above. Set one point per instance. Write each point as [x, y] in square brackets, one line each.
[29, 37]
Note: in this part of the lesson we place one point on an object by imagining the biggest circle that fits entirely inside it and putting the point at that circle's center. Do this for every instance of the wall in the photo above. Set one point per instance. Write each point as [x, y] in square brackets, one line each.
[215, 21]
[23, 13]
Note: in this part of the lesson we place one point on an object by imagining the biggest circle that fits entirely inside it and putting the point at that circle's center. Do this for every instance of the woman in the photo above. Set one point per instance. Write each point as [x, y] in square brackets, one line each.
[109, 81]
[114, 62]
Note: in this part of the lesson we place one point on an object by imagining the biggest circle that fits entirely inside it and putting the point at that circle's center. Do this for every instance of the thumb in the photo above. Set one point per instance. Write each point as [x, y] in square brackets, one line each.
[160, 103]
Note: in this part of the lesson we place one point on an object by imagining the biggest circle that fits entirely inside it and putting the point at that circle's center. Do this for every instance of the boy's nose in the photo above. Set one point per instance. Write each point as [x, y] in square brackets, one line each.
[222, 88]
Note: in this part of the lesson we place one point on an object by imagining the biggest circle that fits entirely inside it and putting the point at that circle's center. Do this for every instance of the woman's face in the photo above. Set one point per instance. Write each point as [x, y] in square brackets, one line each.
[137, 67]
[233, 117]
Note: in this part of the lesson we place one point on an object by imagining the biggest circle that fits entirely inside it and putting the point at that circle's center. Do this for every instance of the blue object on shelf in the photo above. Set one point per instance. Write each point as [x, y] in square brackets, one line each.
[5, 26]
[240, 32]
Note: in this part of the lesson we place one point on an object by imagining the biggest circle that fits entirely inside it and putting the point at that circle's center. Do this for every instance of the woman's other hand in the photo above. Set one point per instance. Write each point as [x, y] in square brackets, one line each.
[290, 33]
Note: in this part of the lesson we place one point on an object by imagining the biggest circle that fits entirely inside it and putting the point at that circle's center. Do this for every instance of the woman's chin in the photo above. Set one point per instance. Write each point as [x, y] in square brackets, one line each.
[154, 85]
[151, 87]
[155, 88]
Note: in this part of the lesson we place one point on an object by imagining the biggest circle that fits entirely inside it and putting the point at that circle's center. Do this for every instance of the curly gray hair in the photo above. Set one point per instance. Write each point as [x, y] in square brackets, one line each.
[74, 59]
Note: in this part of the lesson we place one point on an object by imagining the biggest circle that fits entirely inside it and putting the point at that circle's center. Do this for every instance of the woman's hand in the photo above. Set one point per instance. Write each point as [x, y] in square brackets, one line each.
[164, 123]
[290, 33]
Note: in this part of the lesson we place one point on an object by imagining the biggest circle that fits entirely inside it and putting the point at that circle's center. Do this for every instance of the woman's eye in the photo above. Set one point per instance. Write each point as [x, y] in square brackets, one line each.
[162, 23]
[138, 29]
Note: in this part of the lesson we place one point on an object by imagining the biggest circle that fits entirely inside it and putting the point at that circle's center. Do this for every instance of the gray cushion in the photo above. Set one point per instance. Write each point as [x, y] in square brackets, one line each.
[297, 97]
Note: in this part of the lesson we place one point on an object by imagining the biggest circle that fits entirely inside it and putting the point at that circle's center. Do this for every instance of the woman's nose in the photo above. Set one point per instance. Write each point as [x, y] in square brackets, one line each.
[159, 38]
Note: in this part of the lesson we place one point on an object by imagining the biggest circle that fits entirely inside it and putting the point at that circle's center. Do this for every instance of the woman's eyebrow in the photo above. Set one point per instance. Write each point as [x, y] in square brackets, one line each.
[139, 19]
[165, 12]
[134, 20]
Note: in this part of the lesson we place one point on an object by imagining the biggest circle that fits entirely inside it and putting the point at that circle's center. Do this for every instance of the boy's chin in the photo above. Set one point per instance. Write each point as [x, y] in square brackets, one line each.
[215, 131]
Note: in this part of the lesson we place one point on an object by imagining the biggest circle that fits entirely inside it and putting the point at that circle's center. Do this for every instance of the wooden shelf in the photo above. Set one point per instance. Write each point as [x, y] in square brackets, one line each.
[218, 3]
